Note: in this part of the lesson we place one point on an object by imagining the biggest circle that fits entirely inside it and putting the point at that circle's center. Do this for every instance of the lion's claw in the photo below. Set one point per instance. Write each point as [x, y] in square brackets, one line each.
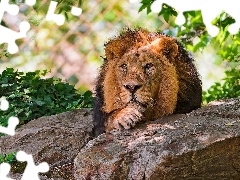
[126, 118]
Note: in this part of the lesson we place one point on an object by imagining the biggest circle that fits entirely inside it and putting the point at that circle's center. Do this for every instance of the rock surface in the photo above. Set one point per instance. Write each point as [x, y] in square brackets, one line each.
[204, 144]
[54, 139]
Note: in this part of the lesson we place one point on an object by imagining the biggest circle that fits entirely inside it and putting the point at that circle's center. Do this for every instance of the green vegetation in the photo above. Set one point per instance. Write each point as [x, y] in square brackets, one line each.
[8, 158]
[226, 45]
[229, 89]
[31, 97]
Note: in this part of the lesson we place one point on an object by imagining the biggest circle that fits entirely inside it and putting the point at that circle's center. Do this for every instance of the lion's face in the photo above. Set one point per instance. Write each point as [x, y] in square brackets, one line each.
[133, 79]
[138, 75]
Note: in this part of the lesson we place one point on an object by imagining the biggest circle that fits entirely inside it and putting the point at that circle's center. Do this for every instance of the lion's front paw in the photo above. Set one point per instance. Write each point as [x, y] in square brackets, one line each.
[124, 119]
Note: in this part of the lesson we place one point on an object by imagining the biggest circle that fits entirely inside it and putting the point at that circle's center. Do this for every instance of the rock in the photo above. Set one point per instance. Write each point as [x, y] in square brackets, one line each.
[204, 144]
[54, 139]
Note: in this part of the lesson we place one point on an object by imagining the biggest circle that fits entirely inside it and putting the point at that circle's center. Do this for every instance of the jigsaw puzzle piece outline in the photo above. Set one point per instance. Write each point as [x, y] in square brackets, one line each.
[4, 104]
[178, 5]
[4, 171]
[31, 171]
[12, 121]
[30, 2]
[12, 124]
[232, 8]
[7, 35]
[12, 36]
[76, 11]
[51, 16]
[208, 16]
[12, 9]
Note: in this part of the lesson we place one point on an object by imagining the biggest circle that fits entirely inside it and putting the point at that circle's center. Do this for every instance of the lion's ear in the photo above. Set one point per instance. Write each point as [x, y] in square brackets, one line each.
[111, 50]
[116, 48]
[165, 46]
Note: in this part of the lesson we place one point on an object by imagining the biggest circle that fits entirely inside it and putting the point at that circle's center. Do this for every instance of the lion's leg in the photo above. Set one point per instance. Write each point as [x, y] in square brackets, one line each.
[123, 119]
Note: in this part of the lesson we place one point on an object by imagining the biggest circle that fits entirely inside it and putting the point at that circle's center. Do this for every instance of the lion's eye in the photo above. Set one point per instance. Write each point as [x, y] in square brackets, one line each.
[148, 66]
[124, 67]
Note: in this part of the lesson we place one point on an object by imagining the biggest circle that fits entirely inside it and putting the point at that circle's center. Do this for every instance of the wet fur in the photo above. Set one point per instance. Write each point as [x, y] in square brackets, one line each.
[129, 90]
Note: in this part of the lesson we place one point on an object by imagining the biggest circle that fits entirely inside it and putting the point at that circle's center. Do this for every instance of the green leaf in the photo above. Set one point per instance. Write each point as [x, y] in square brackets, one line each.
[166, 17]
[79, 3]
[66, 15]
[142, 7]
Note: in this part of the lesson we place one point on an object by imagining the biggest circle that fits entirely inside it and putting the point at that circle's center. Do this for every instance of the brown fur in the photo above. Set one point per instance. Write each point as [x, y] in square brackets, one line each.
[145, 76]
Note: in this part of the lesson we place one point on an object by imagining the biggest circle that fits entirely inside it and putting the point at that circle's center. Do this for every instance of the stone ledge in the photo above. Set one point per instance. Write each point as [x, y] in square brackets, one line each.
[204, 144]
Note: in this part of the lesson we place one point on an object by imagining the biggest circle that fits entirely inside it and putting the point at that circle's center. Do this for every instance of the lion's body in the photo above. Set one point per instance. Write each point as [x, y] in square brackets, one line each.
[145, 76]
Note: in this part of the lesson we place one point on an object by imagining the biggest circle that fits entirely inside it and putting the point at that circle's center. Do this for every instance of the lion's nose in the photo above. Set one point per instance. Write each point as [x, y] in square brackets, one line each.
[132, 88]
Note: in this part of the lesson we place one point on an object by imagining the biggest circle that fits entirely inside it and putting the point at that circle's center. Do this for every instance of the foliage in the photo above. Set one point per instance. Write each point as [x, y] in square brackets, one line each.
[31, 97]
[226, 45]
[8, 158]
[230, 88]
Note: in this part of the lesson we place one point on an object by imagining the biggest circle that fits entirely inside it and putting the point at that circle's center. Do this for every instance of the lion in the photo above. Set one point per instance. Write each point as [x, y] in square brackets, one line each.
[144, 76]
